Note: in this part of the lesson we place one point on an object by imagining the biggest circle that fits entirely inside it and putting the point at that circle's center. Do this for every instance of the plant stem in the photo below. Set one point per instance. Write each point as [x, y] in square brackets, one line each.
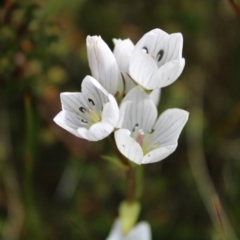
[130, 173]
[131, 185]
[119, 155]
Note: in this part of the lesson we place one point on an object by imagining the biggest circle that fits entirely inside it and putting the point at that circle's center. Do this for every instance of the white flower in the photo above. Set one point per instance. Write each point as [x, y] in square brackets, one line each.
[104, 66]
[140, 232]
[142, 138]
[157, 59]
[91, 114]
[123, 51]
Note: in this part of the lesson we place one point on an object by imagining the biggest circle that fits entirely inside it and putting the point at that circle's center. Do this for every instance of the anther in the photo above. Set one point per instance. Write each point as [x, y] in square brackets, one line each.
[146, 49]
[82, 109]
[135, 127]
[84, 121]
[160, 55]
[152, 131]
[91, 101]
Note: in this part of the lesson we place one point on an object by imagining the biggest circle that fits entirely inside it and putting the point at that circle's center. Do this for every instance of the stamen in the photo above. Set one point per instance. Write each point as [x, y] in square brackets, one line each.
[160, 55]
[91, 101]
[84, 121]
[135, 127]
[140, 136]
[82, 109]
[152, 131]
[146, 49]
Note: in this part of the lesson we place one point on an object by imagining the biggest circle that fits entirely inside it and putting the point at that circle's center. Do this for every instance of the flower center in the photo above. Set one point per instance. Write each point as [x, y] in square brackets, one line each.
[91, 115]
[143, 138]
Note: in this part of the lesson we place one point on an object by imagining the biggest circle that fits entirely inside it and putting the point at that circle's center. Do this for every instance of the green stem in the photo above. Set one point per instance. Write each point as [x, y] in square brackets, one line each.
[120, 156]
[130, 173]
[32, 214]
[131, 185]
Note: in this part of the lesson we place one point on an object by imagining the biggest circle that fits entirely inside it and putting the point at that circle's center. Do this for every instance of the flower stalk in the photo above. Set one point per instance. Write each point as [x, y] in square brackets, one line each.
[130, 173]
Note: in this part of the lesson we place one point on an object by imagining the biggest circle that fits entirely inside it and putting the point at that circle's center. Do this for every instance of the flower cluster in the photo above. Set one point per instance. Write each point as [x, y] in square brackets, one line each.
[122, 94]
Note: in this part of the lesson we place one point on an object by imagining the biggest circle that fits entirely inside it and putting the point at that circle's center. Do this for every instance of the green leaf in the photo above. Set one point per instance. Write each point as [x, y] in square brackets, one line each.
[115, 161]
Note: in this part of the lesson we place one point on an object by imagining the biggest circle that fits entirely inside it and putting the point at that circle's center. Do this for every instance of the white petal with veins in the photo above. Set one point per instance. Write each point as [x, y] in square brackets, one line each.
[128, 146]
[63, 122]
[155, 95]
[141, 111]
[142, 68]
[97, 131]
[122, 51]
[103, 65]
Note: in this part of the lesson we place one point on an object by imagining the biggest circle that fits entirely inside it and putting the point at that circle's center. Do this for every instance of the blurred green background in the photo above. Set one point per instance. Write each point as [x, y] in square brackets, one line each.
[55, 186]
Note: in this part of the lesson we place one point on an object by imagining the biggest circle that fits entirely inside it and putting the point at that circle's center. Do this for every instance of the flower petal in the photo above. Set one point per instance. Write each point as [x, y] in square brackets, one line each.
[122, 112]
[166, 74]
[141, 68]
[91, 87]
[166, 133]
[96, 132]
[136, 94]
[142, 111]
[122, 51]
[140, 232]
[161, 46]
[155, 96]
[116, 231]
[152, 40]
[172, 49]
[71, 101]
[158, 154]
[67, 123]
[110, 112]
[128, 146]
[103, 65]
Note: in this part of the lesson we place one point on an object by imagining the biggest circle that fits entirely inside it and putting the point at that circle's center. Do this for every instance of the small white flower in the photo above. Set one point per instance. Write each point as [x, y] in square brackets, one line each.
[91, 114]
[123, 51]
[157, 59]
[142, 138]
[104, 66]
[140, 232]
